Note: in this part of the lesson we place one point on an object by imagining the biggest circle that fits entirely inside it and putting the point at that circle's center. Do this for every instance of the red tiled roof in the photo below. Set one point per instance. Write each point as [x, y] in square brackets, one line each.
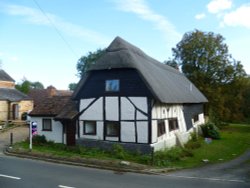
[50, 106]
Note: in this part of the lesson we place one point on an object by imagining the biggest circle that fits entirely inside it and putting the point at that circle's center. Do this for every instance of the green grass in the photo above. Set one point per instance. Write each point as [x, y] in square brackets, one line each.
[234, 142]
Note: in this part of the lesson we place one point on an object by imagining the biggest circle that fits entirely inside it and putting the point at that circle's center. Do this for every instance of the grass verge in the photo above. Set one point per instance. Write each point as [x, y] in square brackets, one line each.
[234, 141]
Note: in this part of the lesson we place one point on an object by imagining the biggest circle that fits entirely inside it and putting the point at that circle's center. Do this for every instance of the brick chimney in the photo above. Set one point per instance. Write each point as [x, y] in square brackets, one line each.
[51, 91]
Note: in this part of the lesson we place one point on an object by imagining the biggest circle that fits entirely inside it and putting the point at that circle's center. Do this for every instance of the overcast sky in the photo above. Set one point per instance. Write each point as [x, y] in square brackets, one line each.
[42, 40]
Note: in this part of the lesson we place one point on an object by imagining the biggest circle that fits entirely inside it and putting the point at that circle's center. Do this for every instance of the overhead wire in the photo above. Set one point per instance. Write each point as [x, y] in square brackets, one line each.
[56, 29]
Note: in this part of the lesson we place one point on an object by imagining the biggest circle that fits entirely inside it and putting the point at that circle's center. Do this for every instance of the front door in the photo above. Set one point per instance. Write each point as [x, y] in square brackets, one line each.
[15, 111]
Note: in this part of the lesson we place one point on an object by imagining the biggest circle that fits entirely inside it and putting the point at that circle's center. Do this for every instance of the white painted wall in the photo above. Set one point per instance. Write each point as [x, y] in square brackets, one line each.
[128, 131]
[127, 109]
[55, 135]
[140, 103]
[99, 131]
[111, 108]
[164, 111]
[142, 131]
[94, 112]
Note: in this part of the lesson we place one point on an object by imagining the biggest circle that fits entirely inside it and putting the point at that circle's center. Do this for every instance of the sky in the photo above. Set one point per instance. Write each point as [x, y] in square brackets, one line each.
[42, 40]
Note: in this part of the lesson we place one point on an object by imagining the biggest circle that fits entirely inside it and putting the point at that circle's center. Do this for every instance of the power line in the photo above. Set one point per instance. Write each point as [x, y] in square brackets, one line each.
[56, 29]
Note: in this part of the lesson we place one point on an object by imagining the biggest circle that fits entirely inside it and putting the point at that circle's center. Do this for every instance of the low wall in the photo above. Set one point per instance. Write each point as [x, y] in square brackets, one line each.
[108, 145]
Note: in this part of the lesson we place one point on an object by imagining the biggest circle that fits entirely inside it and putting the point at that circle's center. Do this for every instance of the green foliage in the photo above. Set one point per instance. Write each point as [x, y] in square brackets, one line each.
[39, 140]
[118, 151]
[169, 156]
[172, 63]
[72, 86]
[190, 156]
[210, 130]
[85, 62]
[205, 60]
[25, 86]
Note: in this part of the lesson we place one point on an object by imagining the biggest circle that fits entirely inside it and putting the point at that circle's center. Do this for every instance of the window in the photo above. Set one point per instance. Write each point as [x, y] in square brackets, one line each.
[112, 128]
[89, 128]
[196, 117]
[161, 127]
[47, 126]
[112, 85]
[173, 124]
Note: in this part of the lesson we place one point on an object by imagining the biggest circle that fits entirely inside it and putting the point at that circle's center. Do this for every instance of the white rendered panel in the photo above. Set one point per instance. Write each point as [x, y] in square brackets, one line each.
[127, 110]
[140, 116]
[127, 132]
[154, 131]
[112, 108]
[140, 103]
[84, 103]
[94, 112]
[142, 131]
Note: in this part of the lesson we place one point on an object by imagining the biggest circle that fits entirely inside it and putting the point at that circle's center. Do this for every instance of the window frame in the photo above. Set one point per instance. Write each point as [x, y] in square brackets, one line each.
[161, 127]
[112, 85]
[84, 128]
[115, 123]
[196, 118]
[171, 126]
[43, 126]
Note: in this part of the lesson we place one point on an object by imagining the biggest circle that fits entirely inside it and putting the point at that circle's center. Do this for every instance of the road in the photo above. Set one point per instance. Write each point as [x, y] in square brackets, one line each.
[27, 173]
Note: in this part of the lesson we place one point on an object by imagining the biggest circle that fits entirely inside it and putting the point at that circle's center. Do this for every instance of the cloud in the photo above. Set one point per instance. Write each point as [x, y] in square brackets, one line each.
[216, 6]
[35, 16]
[239, 17]
[200, 16]
[141, 9]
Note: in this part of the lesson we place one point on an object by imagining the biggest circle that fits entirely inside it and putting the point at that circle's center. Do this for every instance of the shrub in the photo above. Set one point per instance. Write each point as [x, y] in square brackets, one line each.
[118, 151]
[167, 156]
[39, 140]
[209, 130]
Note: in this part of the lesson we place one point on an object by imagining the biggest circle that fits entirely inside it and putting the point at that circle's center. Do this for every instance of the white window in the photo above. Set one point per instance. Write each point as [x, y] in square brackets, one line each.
[113, 128]
[112, 85]
[89, 128]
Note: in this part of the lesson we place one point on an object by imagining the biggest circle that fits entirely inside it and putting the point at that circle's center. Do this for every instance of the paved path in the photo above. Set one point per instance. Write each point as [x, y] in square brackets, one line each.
[19, 134]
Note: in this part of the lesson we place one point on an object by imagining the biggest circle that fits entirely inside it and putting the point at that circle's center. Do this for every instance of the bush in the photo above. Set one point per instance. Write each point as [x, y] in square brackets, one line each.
[39, 140]
[209, 130]
[118, 151]
[167, 156]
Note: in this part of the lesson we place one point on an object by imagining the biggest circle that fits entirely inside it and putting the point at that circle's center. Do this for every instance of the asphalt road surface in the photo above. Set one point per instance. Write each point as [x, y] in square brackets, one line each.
[26, 173]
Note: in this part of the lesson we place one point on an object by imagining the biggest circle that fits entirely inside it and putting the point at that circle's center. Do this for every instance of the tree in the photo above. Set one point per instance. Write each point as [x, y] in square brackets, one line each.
[172, 63]
[205, 60]
[72, 86]
[85, 62]
[25, 86]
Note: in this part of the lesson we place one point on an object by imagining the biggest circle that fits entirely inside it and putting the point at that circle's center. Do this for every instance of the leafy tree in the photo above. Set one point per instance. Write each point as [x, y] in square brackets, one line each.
[172, 63]
[205, 60]
[26, 85]
[85, 62]
[37, 85]
[72, 86]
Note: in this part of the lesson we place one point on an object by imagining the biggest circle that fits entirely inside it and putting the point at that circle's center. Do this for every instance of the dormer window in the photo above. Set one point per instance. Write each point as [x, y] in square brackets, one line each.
[112, 85]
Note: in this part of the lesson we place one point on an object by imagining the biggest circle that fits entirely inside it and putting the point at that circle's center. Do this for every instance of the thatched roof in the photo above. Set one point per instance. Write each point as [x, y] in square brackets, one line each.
[167, 84]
